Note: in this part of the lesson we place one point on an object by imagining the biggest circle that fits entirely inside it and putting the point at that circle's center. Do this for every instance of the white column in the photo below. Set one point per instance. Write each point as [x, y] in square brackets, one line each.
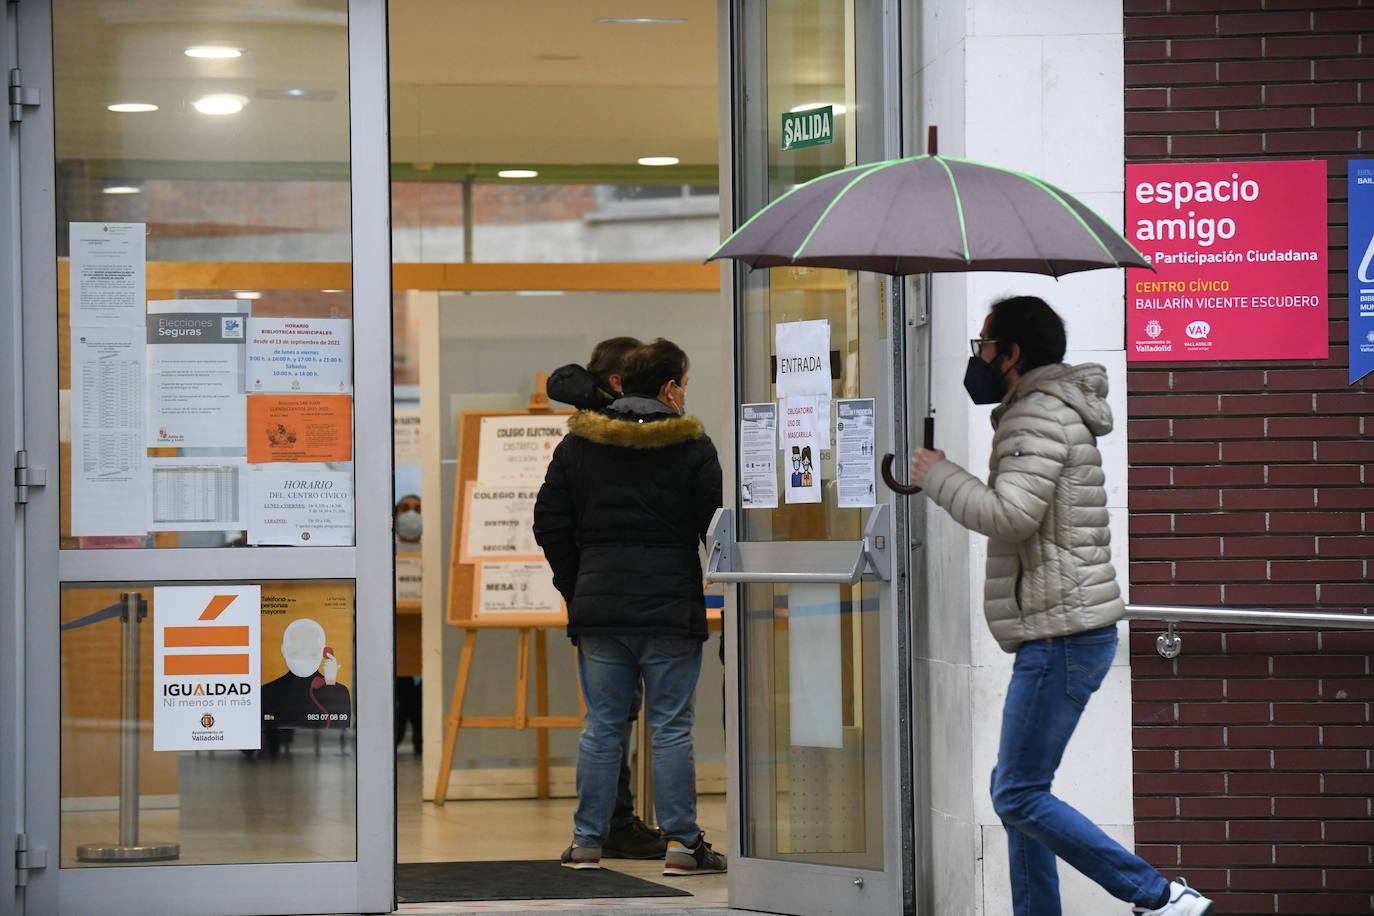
[1035, 87]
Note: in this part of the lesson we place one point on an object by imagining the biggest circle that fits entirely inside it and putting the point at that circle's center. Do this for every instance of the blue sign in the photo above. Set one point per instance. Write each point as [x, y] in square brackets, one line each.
[1360, 252]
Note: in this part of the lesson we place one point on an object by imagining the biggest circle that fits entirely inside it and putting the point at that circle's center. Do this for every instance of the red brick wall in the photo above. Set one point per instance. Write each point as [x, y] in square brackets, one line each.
[1252, 485]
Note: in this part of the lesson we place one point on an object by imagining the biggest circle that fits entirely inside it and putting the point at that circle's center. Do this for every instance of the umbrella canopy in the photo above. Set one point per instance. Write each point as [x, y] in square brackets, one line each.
[929, 214]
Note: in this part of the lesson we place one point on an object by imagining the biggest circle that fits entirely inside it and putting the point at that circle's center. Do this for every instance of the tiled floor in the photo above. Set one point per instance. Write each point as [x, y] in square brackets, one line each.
[297, 806]
[532, 829]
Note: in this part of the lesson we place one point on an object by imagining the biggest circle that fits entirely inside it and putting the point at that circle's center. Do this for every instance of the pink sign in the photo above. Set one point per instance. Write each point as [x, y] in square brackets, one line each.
[1239, 250]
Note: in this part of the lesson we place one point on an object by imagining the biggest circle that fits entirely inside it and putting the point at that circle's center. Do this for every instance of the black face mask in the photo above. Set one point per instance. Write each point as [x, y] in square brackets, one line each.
[983, 385]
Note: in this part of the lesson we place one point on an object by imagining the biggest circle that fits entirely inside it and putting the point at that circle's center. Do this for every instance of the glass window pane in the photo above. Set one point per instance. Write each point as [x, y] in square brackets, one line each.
[275, 780]
[812, 734]
[204, 353]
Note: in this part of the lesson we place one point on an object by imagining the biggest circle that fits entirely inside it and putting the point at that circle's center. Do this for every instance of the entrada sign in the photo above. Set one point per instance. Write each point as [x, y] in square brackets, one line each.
[812, 127]
[1239, 251]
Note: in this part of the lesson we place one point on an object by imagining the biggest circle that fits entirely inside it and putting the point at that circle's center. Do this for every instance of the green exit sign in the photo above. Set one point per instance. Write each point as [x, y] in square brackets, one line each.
[813, 127]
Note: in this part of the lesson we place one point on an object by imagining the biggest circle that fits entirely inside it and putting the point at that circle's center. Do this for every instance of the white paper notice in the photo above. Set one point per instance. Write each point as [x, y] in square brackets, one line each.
[287, 355]
[108, 273]
[801, 449]
[809, 412]
[758, 453]
[803, 349]
[197, 494]
[409, 578]
[195, 374]
[813, 652]
[406, 448]
[108, 482]
[207, 668]
[300, 507]
[854, 452]
[499, 522]
[517, 450]
[517, 588]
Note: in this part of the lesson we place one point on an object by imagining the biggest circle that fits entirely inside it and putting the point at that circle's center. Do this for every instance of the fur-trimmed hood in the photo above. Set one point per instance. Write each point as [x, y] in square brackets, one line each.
[635, 425]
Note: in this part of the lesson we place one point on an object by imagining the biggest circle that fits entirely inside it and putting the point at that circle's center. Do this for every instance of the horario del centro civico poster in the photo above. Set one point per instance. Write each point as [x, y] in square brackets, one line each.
[1240, 257]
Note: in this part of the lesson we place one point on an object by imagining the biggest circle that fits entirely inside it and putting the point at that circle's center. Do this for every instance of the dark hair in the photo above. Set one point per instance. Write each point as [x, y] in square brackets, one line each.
[396, 510]
[648, 367]
[608, 357]
[1029, 322]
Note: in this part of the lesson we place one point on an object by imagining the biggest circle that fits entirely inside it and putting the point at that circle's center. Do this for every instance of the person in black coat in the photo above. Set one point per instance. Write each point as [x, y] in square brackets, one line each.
[627, 498]
[596, 387]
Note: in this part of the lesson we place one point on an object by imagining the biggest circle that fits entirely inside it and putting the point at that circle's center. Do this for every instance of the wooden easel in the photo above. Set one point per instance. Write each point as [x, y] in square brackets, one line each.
[521, 719]
[461, 613]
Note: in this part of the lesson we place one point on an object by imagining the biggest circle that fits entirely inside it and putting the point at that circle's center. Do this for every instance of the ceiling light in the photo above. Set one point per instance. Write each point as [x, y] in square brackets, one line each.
[658, 160]
[214, 52]
[220, 104]
[644, 21]
[517, 173]
[331, 290]
[132, 106]
[297, 94]
[811, 106]
[121, 189]
[247, 294]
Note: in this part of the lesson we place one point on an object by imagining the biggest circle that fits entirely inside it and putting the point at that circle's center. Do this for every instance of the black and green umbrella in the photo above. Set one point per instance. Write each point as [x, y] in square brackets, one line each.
[929, 214]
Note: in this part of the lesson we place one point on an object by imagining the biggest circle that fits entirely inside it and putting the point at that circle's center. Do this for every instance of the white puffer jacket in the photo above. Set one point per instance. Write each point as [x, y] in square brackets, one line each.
[1043, 509]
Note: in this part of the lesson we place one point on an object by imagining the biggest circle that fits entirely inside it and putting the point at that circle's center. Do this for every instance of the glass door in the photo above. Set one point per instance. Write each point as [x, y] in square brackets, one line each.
[823, 784]
[206, 366]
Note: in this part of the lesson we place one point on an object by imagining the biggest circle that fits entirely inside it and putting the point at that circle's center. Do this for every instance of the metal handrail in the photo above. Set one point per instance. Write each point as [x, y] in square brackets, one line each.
[1169, 644]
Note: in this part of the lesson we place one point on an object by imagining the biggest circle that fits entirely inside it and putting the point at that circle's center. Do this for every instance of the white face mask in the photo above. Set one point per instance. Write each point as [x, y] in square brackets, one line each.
[409, 525]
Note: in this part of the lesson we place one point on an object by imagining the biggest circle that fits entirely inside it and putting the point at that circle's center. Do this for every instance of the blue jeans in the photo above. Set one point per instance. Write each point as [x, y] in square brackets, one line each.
[623, 814]
[1050, 685]
[610, 668]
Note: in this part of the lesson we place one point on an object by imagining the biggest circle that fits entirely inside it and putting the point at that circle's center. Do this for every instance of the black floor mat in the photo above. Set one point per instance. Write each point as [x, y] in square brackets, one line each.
[431, 882]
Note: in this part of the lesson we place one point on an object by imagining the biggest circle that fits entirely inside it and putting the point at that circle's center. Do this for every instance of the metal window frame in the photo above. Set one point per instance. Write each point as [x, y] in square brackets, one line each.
[363, 885]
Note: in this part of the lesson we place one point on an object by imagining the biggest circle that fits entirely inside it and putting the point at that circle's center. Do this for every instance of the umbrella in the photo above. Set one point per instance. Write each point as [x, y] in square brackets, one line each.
[927, 214]
[930, 213]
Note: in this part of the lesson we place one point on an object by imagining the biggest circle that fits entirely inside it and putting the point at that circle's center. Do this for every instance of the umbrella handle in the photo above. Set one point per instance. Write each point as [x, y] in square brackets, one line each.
[893, 484]
[928, 441]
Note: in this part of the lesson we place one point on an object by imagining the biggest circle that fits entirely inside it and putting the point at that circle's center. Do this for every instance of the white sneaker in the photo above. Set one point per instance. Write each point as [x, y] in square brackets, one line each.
[1183, 901]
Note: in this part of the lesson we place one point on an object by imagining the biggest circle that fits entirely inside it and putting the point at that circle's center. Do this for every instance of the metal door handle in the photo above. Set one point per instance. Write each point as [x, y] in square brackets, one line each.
[795, 561]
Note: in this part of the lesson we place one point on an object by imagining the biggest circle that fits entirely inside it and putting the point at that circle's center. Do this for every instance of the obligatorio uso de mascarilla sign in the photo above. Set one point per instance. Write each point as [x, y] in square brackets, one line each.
[1239, 250]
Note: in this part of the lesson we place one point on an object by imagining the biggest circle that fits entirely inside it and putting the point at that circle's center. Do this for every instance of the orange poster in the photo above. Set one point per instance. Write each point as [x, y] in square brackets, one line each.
[284, 427]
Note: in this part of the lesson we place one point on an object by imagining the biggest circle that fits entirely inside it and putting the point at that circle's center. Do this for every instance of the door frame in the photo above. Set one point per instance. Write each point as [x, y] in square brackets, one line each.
[363, 885]
[772, 884]
[11, 531]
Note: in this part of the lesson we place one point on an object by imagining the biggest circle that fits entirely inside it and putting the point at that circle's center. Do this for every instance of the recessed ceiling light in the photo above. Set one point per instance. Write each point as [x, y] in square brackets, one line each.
[121, 189]
[220, 104]
[811, 106]
[658, 160]
[643, 20]
[517, 173]
[331, 290]
[247, 294]
[214, 52]
[132, 106]
[297, 94]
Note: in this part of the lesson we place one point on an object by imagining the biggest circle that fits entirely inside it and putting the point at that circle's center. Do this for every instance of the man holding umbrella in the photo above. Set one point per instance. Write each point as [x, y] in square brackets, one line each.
[1050, 595]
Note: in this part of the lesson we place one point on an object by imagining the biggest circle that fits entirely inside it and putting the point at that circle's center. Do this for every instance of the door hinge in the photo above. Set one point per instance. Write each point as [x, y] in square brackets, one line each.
[25, 477]
[20, 96]
[27, 858]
